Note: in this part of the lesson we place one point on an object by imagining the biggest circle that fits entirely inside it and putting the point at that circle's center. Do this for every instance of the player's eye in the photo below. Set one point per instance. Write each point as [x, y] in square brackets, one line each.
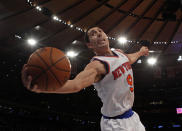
[92, 34]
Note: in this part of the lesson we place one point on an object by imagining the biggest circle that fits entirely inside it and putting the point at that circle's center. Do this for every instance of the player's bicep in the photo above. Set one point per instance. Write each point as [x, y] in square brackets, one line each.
[86, 78]
[101, 67]
[90, 74]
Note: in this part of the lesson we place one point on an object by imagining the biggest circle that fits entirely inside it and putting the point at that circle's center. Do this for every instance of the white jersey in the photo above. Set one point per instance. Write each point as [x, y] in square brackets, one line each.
[116, 89]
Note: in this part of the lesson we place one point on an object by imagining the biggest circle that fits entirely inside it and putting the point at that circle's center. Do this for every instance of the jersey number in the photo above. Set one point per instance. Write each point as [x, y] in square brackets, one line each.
[130, 82]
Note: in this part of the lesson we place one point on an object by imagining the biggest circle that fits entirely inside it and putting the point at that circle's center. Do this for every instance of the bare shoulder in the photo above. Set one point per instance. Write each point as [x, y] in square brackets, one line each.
[98, 66]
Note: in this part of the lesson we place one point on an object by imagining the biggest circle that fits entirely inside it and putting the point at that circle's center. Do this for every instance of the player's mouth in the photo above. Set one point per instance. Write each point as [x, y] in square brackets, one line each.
[101, 43]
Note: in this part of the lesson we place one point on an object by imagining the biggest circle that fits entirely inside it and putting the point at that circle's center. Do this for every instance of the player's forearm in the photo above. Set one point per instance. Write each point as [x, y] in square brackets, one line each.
[134, 56]
[69, 87]
[82, 80]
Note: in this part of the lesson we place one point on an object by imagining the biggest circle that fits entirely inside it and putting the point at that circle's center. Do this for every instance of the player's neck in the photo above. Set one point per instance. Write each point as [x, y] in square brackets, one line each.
[104, 53]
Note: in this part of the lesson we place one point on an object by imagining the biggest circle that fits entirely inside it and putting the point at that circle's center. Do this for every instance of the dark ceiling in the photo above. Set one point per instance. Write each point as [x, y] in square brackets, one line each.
[135, 19]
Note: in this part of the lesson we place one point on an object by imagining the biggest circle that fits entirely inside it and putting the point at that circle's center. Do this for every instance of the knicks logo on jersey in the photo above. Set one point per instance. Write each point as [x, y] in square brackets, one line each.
[118, 72]
[121, 70]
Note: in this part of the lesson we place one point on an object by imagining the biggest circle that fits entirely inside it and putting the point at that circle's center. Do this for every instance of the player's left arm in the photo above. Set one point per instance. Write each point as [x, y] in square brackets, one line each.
[144, 51]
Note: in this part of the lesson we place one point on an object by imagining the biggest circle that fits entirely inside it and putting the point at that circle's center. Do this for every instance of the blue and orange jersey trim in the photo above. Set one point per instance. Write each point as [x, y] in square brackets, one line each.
[106, 64]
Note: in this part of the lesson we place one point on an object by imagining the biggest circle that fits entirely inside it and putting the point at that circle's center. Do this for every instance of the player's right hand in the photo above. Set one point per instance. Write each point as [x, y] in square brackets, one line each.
[144, 51]
[26, 78]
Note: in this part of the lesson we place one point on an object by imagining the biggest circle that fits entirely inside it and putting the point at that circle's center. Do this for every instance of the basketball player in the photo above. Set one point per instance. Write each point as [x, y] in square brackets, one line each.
[111, 74]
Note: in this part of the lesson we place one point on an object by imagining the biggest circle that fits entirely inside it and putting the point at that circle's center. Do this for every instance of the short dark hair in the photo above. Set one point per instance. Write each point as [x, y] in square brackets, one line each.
[86, 38]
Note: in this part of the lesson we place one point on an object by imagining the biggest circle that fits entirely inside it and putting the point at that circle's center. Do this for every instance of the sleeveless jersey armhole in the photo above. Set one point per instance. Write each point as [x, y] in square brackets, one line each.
[106, 65]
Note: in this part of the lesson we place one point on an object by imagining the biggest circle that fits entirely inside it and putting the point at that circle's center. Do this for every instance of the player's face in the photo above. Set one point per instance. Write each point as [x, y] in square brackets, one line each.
[98, 39]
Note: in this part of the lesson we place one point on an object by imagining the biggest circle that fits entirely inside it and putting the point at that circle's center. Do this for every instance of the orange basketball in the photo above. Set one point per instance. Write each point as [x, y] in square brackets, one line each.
[49, 68]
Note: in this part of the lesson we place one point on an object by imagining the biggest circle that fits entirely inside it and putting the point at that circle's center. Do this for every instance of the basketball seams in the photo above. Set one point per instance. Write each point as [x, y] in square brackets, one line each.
[36, 66]
[40, 74]
[61, 69]
[52, 63]
[48, 68]
[43, 71]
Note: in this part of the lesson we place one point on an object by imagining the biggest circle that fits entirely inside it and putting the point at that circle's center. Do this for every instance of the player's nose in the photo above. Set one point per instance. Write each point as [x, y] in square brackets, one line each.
[99, 35]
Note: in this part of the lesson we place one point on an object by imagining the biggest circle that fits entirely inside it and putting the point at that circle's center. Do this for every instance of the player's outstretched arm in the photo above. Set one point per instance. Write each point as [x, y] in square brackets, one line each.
[92, 73]
[134, 56]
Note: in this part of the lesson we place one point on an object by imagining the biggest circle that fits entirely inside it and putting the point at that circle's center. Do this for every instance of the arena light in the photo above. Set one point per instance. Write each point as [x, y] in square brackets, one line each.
[122, 40]
[32, 41]
[151, 51]
[17, 36]
[139, 61]
[38, 8]
[179, 58]
[55, 18]
[37, 27]
[160, 126]
[71, 54]
[152, 61]
[74, 42]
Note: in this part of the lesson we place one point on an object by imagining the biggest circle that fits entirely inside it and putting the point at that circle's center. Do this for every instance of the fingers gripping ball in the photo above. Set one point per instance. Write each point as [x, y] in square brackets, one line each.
[49, 68]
